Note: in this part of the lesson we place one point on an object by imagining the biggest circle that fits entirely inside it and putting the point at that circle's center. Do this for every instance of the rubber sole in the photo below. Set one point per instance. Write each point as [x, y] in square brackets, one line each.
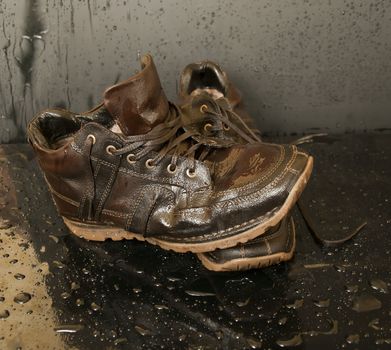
[251, 263]
[96, 232]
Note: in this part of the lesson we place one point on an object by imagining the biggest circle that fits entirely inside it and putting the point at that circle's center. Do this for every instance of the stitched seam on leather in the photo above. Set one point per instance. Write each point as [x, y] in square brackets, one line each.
[140, 175]
[289, 236]
[294, 171]
[225, 230]
[65, 199]
[237, 200]
[129, 220]
[97, 168]
[255, 183]
[114, 213]
[269, 250]
[105, 193]
[76, 148]
[242, 252]
[240, 199]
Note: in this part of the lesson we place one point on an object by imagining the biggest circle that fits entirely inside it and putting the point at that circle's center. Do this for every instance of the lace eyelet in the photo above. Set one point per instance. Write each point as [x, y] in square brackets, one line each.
[190, 173]
[129, 158]
[203, 108]
[226, 127]
[148, 163]
[207, 127]
[91, 137]
[110, 149]
[171, 168]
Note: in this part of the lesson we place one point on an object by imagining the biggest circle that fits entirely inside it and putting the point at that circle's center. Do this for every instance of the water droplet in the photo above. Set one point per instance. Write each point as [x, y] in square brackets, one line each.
[365, 303]
[65, 295]
[75, 286]
[69, 328]
[19, 276]
[295, 341]
[22, 298]
[282, 321]
[142, 330]
[4, 314]
[54, 238]
[254, 343]
[375, 324]
[195, 293]
[161, 307]
[58, 264]
[243, 303]
[353, 339]
[120, 341]
[95, 306]
[379, 285]
[352, 289]
[296, 305]
[322, 303]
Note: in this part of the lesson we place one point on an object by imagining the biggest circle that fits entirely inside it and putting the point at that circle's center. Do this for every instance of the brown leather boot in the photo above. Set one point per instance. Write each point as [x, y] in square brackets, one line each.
[207, 77]
[278, 244]
[275, 246]
[161, 180]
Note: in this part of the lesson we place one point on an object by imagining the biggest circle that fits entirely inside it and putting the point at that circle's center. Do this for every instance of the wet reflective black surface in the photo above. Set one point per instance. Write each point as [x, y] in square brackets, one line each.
[132, 295]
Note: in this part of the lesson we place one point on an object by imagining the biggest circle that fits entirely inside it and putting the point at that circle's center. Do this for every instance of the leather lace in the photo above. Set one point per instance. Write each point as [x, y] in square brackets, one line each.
[170, 138]
[306, 215]
[224, 115]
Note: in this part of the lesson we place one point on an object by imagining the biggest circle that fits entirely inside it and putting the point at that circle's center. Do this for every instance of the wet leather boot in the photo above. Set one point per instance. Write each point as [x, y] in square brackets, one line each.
[207, 77]
[160, 179]
[275, 246]
[278, 244]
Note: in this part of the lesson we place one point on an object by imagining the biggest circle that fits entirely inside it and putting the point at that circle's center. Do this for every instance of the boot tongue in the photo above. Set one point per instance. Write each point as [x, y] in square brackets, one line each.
[139, 103]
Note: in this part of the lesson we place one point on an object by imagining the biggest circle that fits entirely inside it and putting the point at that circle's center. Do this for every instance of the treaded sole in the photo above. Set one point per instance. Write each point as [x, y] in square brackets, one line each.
[251, 263]
[96, 232]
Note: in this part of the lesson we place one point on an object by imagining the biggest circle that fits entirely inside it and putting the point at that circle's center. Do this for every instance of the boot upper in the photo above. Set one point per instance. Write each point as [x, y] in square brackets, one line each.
[159, 176]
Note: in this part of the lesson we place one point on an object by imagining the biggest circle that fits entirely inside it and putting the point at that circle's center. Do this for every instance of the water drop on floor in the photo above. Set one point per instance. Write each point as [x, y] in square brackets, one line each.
[4, 314]
[22, 298]
[365, 303]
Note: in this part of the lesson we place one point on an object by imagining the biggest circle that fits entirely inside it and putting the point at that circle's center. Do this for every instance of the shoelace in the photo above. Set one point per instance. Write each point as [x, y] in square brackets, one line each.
[307, 217]
[169, 138]
[226, 124]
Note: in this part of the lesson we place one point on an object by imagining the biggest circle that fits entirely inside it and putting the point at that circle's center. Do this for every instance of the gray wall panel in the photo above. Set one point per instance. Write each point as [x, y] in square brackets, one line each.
[302, 65]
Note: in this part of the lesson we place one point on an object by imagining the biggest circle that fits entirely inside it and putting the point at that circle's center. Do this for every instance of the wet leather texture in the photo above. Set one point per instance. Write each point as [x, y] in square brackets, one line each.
[279, 239]
[207, 76]
[235, 188]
